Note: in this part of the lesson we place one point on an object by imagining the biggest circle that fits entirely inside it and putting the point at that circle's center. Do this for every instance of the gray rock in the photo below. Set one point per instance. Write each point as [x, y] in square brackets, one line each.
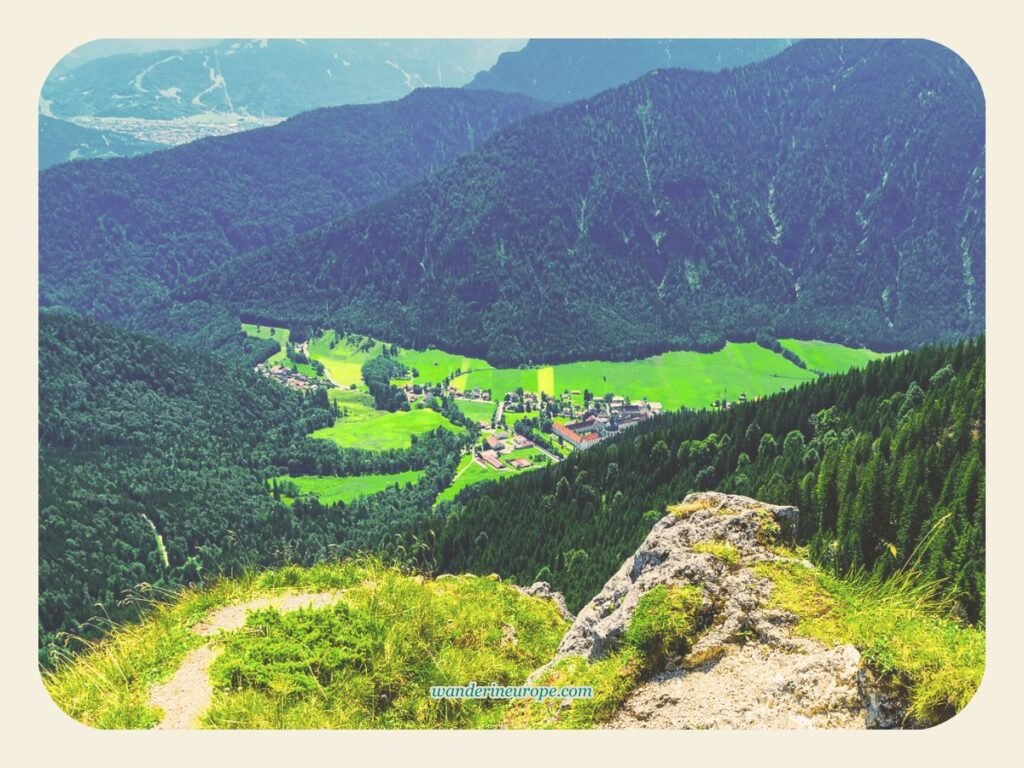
[543, 590]
[747, 668]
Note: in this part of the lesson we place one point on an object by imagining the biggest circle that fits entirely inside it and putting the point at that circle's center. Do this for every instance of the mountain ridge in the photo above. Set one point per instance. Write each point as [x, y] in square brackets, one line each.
[565, 70]
[695, 207]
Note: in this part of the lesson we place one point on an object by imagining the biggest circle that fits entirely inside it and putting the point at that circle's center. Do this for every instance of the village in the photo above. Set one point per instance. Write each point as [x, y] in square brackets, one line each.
[527, 426]
[290, 377]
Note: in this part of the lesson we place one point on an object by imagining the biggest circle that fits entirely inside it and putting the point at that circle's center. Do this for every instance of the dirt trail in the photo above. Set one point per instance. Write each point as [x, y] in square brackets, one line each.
[187, 695]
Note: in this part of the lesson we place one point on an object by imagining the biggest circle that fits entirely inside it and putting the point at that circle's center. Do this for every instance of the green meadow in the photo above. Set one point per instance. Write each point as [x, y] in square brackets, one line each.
[827, 357]
[353, 404]
[537, 458]
[691, 379]
[675, 379]
[478, 411]
[344, 361]
[380, 430]
[280, 335]
[331, 490]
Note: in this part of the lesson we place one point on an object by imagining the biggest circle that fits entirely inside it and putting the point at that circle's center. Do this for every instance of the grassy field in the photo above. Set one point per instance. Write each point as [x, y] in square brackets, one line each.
[331, 490]
[691, 379]
[354, 404]
[534, 455]
[433, 365]
[470, 472]
[476, 410]
[280, 335]
[380, 629]
[380, 430]
[345, 360]
[830, 358]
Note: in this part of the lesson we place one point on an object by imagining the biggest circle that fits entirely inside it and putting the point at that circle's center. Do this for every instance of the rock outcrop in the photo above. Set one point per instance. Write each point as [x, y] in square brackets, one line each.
[746, 668]
[543, 590]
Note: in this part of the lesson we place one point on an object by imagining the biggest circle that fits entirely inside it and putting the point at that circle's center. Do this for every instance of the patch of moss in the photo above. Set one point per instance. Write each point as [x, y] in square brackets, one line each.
[687, 508]
[768, 527]
[612, 678]
[723, 550]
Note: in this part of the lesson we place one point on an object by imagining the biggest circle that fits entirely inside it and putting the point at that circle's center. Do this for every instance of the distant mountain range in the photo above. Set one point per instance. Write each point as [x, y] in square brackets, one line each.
[834, 191]
[112, 46]
[167, 92]
[60, 141]
[561, 71]
[264, 78]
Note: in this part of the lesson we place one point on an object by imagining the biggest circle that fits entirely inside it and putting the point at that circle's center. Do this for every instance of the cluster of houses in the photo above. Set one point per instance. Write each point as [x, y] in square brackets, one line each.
[603, 419]
[287, 377]
[501, 443]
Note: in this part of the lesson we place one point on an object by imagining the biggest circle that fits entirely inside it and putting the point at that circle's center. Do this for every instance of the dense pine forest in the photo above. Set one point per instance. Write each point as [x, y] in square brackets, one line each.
[886, 465]
[153, 467]
[812, 195]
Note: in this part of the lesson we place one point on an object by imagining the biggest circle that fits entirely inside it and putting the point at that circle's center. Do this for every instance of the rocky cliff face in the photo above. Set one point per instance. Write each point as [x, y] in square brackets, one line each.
[746, 668]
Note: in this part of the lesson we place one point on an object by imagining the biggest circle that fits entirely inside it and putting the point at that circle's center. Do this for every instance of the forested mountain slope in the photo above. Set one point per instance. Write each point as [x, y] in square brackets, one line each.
[152, 466]
[117, 234]
[886, 464]
[834, 191]
[561, 71]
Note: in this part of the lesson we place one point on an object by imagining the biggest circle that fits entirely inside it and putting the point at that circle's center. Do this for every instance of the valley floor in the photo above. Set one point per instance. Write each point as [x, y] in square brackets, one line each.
[497, 398]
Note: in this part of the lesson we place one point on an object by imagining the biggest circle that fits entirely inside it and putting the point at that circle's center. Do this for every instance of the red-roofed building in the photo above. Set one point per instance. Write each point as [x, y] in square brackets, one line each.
[521, 463]
[490, 457]
[574, 438]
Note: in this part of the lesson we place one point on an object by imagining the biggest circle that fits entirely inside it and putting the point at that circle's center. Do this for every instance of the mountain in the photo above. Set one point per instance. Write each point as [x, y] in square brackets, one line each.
[60, 141]
[264, 78]
[561, 71]
[117, 234]
[98, 49]
[835, 191]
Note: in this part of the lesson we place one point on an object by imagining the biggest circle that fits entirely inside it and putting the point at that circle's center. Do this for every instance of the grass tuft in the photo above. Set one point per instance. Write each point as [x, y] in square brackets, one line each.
[366, 662]
[901, 625]
[686, 508]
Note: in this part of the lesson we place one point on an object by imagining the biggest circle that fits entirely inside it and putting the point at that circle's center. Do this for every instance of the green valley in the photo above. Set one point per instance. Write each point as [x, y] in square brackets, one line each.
[668, 382]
